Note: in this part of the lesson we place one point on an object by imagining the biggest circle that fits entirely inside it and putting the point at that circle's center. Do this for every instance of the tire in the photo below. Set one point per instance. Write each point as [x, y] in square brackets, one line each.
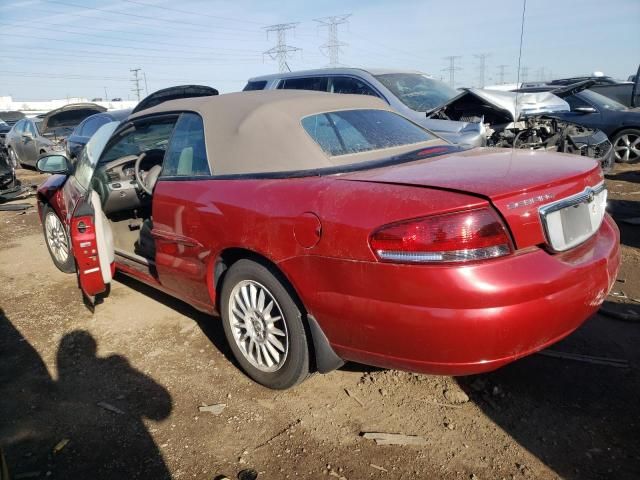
[626, 146]
[279, 368]
[13, 158]
[55, 239]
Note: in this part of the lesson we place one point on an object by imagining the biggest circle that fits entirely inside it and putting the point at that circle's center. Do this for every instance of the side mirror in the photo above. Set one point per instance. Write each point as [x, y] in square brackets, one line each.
[54, 163]
[27, 135]
[585, 110]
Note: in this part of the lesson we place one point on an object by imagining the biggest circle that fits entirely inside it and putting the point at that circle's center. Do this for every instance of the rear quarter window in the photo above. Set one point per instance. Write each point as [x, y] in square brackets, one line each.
[354, 131]
[257, 85]
[318, 84]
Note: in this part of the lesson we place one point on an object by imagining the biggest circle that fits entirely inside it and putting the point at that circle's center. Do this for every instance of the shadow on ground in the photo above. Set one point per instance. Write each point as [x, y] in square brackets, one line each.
[211, 326]
[580, 419]
[57, 425]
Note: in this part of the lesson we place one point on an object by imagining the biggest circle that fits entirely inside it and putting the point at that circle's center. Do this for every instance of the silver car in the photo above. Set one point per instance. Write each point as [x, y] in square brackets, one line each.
[411, 93]
[31, 137]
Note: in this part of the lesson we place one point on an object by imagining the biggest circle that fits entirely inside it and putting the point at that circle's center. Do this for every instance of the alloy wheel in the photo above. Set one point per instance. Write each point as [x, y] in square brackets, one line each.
[627, 148]
[258, 326]
[56, 238]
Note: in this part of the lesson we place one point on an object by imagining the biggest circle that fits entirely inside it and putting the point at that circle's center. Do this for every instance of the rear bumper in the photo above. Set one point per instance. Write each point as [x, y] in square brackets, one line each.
[456, 320]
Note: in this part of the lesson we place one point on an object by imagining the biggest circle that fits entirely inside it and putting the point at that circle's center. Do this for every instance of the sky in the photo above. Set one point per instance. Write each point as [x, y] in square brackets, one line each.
[86, 48]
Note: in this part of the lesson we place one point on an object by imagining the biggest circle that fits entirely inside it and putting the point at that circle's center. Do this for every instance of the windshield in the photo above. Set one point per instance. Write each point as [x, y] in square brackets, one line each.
[601, 101]
[417, 91]
[91, 152]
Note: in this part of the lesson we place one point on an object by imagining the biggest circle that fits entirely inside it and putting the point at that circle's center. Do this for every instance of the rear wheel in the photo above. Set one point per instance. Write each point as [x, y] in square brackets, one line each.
[13, 158]
[626, 146]
[264, 326]
[57, 241]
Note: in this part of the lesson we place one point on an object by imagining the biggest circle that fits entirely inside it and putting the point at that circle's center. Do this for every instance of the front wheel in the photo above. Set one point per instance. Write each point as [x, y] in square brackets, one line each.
[626, 146]
[57, 240]
[264, 325]
[13, 158]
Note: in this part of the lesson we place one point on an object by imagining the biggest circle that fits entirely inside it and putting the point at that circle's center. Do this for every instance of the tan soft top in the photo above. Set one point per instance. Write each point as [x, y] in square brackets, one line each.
[260, 131]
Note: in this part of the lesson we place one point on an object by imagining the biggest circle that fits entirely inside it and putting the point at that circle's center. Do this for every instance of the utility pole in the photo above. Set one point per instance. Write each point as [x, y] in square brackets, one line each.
[146, 87]
[501, 69]
[136, 81]
[451, 68]
[481, 66]
[106, 97]
[540, 74]
[281, 51]
[331, 48]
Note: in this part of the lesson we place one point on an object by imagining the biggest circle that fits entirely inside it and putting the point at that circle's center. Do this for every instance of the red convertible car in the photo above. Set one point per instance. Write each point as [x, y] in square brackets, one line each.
[326, 228]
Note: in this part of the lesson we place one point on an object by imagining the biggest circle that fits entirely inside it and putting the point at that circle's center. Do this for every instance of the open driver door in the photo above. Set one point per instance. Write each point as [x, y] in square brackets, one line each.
[92, 244]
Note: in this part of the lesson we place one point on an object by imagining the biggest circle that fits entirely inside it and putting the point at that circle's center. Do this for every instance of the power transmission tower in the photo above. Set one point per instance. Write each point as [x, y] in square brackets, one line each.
[136, 81]
[481, 66]
[501, 69]
[540, 74]
[281, 51]
[524, 74]
[331, 48]
[452, 68]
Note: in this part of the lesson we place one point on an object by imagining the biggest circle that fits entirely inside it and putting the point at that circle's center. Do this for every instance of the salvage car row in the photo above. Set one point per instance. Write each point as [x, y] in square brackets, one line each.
[328, 228]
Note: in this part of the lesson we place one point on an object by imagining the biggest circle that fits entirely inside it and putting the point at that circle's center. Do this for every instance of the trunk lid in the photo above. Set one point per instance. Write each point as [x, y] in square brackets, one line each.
[516, 182]
[68, 117]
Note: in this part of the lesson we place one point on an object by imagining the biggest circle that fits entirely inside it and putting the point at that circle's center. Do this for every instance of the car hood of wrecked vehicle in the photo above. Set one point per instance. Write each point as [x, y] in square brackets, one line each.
[515, 105]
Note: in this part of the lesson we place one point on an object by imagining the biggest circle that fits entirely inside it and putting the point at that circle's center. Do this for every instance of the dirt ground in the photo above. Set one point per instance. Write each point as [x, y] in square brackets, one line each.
[114, 394]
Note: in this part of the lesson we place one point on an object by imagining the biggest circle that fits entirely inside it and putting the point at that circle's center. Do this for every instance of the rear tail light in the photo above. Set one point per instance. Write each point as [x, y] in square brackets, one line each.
[465, 236]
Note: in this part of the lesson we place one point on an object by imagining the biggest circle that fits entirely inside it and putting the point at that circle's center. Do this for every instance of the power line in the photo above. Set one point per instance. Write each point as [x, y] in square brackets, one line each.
[501, 70]
[138, 41]
[481, 67]
[199, 14]
[121, 22]
[281, 51]
[78, 42]
[148, 17]
[331, 47]
[136, 81]
[451, 68]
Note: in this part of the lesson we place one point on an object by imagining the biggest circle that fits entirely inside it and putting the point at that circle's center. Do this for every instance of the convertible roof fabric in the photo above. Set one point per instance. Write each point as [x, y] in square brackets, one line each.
[260, 131]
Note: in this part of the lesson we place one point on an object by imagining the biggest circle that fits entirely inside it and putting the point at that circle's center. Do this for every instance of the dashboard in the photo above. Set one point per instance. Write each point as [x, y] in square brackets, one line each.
[116, 182]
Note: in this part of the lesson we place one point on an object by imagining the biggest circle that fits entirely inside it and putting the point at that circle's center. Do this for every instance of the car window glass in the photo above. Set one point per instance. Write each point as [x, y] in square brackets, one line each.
[29, 128]
[140, 137]
[91, 152]
[93, 124]
[350, 85]
[19, 127]
[318, 84]
[575, 102]
[257, 85]
[418, 92]
[187, 155]
[353, 131]
[601, 102]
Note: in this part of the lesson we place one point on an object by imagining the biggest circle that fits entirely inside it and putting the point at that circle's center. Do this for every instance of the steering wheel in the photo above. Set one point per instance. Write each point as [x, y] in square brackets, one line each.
[150, 178]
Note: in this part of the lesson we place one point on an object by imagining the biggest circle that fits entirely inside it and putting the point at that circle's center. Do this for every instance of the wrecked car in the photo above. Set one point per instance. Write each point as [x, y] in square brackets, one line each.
[526, 121]
[31, 137]
[329, 228]
[591, 109]
[7, 172]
